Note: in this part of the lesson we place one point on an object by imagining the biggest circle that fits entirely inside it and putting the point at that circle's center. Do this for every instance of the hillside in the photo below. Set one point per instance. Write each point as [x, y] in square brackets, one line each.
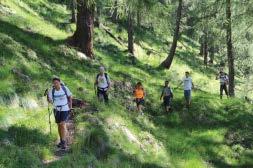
[213, 133]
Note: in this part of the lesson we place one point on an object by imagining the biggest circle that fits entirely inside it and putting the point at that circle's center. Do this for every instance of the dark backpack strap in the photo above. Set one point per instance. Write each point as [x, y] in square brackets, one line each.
[106, 77]
[64, 90]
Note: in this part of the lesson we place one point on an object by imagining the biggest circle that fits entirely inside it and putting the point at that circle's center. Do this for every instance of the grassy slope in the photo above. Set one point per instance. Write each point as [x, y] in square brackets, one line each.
[213, 134]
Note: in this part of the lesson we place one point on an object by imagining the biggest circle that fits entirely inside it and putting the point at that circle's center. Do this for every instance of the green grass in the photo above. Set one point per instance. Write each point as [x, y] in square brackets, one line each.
[213, 133]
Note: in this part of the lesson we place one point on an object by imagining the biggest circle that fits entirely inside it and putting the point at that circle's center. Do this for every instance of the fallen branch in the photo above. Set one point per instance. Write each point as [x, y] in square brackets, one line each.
[111, 35]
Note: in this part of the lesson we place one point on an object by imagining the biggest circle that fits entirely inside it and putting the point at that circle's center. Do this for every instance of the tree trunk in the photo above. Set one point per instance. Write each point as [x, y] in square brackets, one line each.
[97, 18]
[211, 54]
[205, 49]
[139, 18]
[130, 31]
[201, 48]
[82, 38]
[73, 11]
[115, 12]
[167, 63]
[230, 50]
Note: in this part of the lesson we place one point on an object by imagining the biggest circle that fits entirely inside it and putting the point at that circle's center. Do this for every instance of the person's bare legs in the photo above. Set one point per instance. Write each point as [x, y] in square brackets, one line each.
[62, 132]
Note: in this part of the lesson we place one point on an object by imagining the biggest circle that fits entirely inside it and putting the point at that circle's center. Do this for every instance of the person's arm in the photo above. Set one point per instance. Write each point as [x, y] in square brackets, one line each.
[50, 96]
[193, 86]
[162, 94]
[217, 76]
[70, 102]
[109, 82]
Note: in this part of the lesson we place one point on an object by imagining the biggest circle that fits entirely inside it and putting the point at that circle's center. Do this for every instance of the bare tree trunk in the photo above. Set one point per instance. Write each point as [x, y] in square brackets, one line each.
[115, 12]
[97, 17]
[230, 55]
[205, 49]
[201, 48]
[82, 38]
[211, 54]
[130, 31]
[73, 11]
[167, 63]
[139, 18]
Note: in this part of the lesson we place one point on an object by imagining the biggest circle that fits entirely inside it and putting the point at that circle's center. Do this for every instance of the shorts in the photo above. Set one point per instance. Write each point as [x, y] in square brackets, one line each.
[167, 101]
[187, 95]
[61, 116]
[139, 101]
[103, 93]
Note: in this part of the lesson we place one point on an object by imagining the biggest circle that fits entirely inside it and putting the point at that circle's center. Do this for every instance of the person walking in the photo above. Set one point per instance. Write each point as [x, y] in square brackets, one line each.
[102, 85]
[61, 98]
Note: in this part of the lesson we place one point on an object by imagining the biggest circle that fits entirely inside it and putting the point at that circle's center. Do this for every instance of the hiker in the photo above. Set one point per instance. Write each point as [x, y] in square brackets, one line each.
[223, 77]
[188, 86]
[61, 97]
[102, 85]
[167, 96]
[139, 95]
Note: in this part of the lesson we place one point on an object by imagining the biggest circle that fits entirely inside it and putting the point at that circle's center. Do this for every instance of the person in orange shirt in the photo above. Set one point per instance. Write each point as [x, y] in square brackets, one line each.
[139, 95]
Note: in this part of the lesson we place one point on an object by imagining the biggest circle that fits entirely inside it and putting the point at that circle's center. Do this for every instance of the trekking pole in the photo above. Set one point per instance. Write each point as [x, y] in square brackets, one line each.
[49, 118]
[49, 111]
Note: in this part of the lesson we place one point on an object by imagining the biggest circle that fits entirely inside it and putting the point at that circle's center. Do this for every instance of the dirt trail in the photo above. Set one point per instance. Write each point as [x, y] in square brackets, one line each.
[58, 154]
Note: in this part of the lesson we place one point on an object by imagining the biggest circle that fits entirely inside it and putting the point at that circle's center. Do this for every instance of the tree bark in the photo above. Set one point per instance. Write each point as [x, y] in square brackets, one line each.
[230, 55]
[73, 11]
[83, 36]
[130, 31]
[168, 61]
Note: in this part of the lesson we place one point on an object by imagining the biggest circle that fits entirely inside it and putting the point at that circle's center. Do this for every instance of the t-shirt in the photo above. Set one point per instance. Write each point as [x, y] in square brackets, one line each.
[102, 82]
[139, 93]
[187, 83]
[223, 79]
[167, 91]
[60, 99]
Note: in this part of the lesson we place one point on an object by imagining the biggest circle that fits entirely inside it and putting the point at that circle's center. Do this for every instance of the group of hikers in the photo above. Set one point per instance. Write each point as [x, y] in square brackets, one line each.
[61, 97]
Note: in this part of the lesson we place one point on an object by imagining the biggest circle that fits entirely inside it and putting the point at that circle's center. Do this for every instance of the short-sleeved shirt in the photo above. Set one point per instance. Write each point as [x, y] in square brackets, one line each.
[103, 82]
[187, 81]
[60, 101]
[139, 93]
[167, 91]
[223, 79]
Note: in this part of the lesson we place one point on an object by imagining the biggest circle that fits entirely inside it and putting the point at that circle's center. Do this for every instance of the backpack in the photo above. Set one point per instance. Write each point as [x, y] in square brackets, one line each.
[106, 77]
[63, 88]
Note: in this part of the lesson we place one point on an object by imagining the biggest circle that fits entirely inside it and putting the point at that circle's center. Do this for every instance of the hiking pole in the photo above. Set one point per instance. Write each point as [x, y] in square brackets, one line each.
[49, 111]
[49, 118]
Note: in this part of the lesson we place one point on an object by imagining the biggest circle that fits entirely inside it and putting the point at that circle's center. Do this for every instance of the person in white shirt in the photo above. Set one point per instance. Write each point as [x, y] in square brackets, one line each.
[188, 86]
[61, 98]
[102, 84]
[223, 77]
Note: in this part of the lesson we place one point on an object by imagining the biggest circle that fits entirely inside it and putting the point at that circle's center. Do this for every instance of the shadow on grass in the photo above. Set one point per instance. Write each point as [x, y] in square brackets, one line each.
[232, 116]
[21, 147]
[22, 136]
[94, 149]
